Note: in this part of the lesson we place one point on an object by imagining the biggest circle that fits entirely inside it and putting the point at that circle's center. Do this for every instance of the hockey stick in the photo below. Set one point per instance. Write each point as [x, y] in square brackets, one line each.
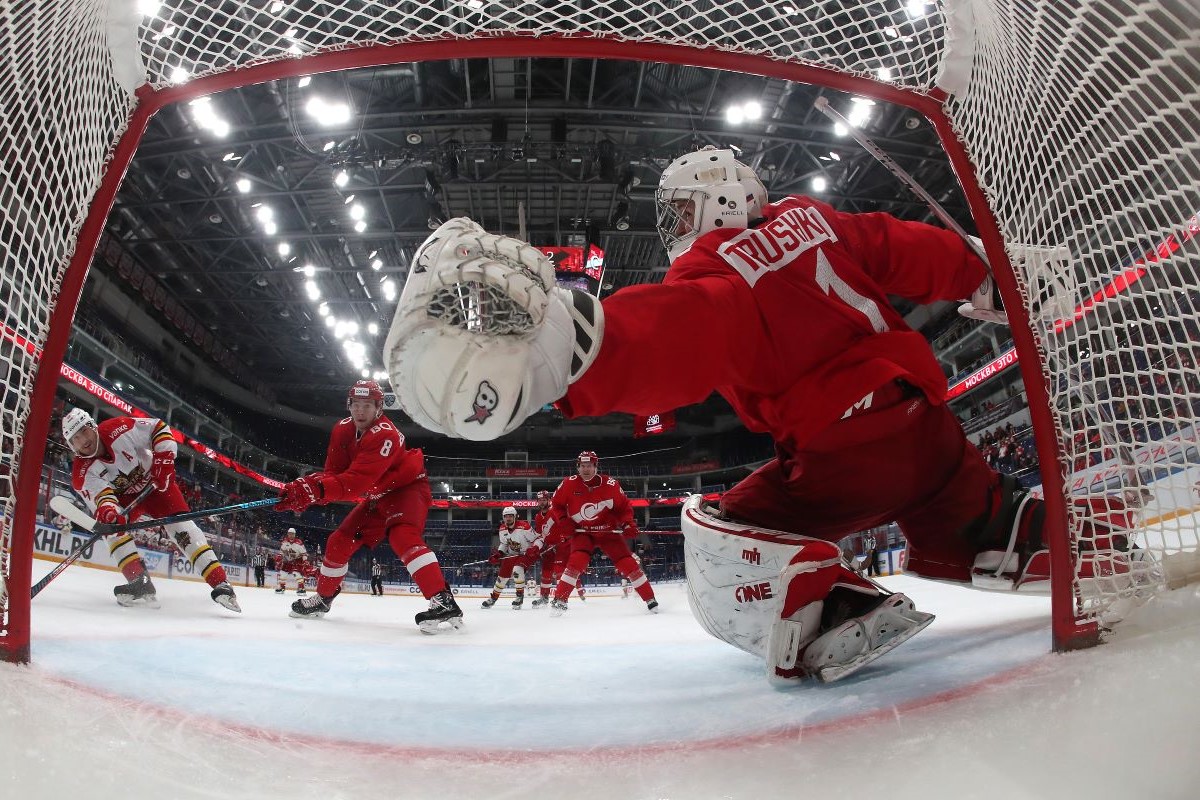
[61, 504]
[89, 523]
[822, 105]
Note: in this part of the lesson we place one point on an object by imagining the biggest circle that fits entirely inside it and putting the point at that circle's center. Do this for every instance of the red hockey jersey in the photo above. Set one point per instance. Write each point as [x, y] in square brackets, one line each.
[598, 505]
[789, 321]
[368, 466]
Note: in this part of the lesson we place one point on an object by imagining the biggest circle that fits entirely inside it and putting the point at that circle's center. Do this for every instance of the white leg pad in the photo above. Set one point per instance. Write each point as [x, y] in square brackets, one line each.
[733, 575]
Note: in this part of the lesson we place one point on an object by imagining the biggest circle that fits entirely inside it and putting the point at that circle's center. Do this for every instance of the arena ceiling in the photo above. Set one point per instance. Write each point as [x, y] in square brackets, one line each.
[570, 149]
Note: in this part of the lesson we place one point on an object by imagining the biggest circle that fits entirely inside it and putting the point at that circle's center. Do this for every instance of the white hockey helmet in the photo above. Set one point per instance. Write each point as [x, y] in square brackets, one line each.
[704, 191]
[508, 510]
[291, 531]
[73, 422]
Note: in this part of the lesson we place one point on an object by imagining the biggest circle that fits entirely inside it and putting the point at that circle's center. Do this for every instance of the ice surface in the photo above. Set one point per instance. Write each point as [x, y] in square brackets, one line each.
[608, 701]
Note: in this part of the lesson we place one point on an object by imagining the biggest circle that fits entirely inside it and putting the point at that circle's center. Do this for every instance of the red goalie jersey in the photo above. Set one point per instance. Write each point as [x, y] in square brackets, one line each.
[595, 506]
[819, 274]
[368, 466]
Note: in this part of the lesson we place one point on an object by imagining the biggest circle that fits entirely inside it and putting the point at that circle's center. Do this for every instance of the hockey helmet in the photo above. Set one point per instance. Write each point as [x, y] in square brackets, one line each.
[73, 422]
[543, 495]
[703, 191]
[366, 390]
[508, 510]
[588, 457]
[291, 531]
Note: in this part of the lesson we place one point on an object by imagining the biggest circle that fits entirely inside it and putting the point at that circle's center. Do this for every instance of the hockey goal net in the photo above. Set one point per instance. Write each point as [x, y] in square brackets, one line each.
[1072, 126]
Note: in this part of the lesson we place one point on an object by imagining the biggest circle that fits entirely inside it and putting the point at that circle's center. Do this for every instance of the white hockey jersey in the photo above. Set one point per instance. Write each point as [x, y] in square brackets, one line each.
[129, 446]
[516, 541]
[292, 549]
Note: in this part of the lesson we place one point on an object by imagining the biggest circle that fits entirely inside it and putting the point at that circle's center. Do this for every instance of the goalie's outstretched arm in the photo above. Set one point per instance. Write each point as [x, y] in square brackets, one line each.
[667, 346]
[483, 338]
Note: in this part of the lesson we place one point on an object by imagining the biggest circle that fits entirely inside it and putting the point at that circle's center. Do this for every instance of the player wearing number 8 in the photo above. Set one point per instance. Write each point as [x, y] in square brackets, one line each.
[368, 464]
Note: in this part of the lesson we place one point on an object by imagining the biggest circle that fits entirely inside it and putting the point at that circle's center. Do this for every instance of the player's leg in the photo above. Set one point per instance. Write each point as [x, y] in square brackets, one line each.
[139, 590]
[549, 577]
[502, 575]
[347, 539]
[192, 542]
[577, 562]
[615, 547]
[404, 514]
[518, 579]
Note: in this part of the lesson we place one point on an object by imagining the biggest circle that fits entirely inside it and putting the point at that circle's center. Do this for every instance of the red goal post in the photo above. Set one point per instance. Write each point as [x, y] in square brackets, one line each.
[1071, 126]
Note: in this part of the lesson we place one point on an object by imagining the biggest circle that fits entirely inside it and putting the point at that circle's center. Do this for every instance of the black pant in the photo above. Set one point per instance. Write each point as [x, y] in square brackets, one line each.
[873, 563]
[376, 585]
[260, 576]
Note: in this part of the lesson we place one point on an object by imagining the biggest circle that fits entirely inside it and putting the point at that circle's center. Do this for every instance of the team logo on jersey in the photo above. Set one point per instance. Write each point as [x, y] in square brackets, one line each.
[486, 400]
[590, 511]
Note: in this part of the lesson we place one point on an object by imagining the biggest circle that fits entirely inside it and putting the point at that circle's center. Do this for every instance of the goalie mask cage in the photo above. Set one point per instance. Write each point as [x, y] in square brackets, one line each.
[1071, 125]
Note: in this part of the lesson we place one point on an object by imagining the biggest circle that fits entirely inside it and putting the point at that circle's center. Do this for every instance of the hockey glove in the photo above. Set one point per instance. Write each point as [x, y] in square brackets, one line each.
[162, 470]
[109, 515]
[495, 557]
[479, 375]
[531, 555]
[630, 531]
[301, 493]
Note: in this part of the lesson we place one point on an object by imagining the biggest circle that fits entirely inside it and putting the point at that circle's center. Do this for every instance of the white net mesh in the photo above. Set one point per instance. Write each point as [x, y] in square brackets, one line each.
[1080, 118]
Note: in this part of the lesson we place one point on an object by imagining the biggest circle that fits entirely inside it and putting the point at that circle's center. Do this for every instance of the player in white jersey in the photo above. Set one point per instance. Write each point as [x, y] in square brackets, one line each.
[291, 566]
[114, 461]
[520, 545]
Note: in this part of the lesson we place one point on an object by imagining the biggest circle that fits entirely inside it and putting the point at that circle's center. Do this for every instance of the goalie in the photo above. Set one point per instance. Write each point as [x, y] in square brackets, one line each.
[783, 309]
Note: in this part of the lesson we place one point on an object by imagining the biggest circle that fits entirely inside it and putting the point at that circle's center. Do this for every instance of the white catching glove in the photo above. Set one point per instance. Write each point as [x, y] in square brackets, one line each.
[482, 336]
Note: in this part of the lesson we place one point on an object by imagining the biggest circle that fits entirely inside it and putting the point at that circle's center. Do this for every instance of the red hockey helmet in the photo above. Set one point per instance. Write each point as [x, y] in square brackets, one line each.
[543, 495]
[369, 390]
[588, 457]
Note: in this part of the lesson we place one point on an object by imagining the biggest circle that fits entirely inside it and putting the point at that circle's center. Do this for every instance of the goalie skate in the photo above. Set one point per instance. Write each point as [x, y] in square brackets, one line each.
[857, 642]
[138, 592]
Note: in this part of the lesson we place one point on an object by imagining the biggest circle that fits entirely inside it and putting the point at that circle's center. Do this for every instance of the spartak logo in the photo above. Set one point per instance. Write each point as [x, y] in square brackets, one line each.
[590, 511]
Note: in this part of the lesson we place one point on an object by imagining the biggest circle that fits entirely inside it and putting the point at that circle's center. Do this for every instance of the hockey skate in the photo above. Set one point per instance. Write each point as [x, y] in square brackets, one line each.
[517, 603]
[313, 607]
[850, 646]
[557, 607]
[223, 595]
[279, 590]
[442, 608]
[652, 605]
[491, 601]
[301, 591]
[539, 602]
[138, 592]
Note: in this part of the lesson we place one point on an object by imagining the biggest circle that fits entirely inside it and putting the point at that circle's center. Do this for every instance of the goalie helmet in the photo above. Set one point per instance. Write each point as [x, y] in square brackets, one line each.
[73, 422]
[704, 191]
[366, 390]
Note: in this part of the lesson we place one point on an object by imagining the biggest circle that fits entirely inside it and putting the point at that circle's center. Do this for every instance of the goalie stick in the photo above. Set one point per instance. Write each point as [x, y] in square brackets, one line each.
[63, 506]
